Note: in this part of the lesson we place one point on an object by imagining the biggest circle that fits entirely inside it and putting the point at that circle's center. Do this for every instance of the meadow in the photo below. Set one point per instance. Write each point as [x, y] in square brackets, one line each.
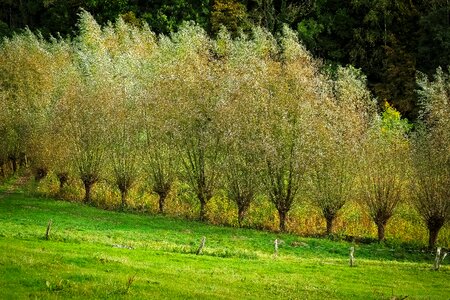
[93, 253]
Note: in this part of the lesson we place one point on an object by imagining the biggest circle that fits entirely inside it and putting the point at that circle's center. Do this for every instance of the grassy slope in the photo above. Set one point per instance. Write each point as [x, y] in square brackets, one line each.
[80, 260]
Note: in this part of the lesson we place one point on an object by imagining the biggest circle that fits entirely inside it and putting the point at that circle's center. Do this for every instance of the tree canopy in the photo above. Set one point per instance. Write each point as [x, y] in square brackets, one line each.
[388, 40]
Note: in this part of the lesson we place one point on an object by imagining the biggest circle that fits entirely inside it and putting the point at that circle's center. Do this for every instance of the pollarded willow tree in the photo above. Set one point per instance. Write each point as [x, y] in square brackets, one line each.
[66, 87]
[31, 69]
[43, 148]
[126, 47]
[292, 89]
[21, 73]
[160, 159]
[431, 155]
[84, 109]
[343, 119]
[195, 94]
[244, 64]
[161, 165]
[31, 96]
[123, 146]
[385, 167]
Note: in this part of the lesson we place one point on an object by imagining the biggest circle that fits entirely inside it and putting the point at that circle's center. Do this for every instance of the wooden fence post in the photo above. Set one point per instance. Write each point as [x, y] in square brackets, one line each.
[439, 259]
[352, 257]
[202, 244]
[47, 232]
[275, 244]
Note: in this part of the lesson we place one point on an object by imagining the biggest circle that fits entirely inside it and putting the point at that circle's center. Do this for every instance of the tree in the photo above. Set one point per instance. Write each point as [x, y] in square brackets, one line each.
[49, 59]
[33, 78]
[243, 63]
[385, 167]
[123, 148]
[161, 168]
[344, 119]
[83, 109]
[431, 177]
[65, 79]
[160, 158]
[194, 90]
[291, 91]
[124, 125]
[155, 74]
[54, 17]
[430, 182]
[30, 84]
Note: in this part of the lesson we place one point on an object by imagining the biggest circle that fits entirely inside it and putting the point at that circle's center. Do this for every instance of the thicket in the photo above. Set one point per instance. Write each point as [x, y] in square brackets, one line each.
[251, 124]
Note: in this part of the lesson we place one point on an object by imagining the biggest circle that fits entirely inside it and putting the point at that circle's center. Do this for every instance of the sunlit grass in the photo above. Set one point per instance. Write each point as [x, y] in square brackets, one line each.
[305, 219]
[94, 253]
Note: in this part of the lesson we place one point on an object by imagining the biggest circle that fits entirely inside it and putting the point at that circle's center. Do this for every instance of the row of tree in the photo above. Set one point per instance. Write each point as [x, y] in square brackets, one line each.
[249, 116]
[388, 40]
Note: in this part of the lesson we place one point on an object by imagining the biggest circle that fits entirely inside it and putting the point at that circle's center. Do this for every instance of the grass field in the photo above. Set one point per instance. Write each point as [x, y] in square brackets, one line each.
[94, 253]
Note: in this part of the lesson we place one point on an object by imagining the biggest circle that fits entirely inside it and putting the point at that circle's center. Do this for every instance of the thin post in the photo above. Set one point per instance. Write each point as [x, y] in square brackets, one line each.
[202, 245]
[275, 244]
[47, 232]
[352, 257]
[437, 259]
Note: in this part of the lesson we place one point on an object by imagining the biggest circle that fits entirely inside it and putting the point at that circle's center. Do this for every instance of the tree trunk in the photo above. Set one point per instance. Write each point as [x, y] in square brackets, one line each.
[23, 161]
[162, 201]
[202, 210]
[329, 220]
[87, 189]
[123, 196]
[62, 177]
[2, 171]
[40, 173]
[14, 164]
[241, 215]
[433, 231]
[381, 230]
[282, 215]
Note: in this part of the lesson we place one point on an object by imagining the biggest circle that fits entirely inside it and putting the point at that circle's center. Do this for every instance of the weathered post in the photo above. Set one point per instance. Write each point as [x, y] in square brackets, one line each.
[438, 260]
[202, 244]
[47, 232]
[275, 243]
[352, 257]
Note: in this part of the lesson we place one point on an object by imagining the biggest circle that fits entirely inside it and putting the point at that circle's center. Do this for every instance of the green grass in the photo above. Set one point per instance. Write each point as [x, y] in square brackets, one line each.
[157, 259]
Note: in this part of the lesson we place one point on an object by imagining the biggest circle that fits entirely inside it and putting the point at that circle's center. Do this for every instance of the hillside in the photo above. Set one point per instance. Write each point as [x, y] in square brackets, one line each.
[94, 253]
